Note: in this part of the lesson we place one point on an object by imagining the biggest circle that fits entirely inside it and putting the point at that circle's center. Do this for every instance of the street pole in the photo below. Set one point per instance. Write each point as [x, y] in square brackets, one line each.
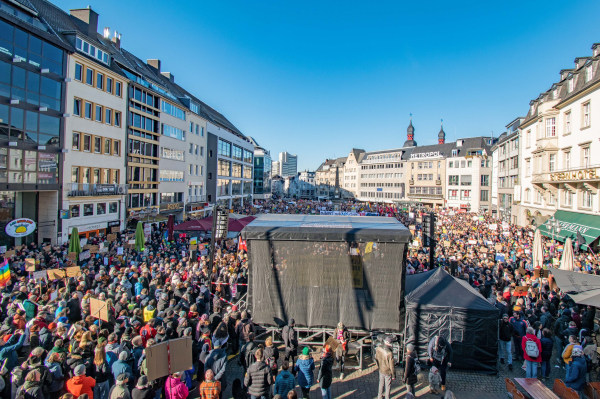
[212, 246]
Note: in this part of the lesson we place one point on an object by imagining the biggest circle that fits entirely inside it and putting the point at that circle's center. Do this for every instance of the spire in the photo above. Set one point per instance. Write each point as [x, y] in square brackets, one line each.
[442, 134]
[410, 135]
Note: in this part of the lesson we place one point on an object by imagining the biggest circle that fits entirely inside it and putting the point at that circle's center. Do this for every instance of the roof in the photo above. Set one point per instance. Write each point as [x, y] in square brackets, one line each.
[326, 228]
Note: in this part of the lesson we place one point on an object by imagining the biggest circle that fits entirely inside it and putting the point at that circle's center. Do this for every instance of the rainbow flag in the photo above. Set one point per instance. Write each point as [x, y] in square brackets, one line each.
[4, 273]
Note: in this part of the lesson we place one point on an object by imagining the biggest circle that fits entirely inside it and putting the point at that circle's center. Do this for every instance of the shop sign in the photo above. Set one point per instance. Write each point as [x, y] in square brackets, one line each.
[114, 223]
[64, 214]
[90, 227]
[432, 154]
[20, 227]
[171, 206]
[578, 175]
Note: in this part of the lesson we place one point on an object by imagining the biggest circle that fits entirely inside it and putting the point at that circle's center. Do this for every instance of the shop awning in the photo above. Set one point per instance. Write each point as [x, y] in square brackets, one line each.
[571, 223]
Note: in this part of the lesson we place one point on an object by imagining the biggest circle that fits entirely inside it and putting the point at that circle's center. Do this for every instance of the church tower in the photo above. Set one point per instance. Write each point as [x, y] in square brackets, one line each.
[410, 135]
[442, 134]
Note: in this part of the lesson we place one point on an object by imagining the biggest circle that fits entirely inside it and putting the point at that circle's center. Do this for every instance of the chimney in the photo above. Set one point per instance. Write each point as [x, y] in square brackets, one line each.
[155, 64]
[169, 76]
[88, 17]
[117, 40]
[106, 34]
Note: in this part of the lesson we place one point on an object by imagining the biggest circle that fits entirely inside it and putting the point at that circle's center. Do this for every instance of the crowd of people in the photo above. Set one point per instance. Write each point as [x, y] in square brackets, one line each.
[51, 346]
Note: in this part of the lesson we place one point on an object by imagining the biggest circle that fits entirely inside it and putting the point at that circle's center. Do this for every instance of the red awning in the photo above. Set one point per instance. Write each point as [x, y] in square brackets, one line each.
[192, 225]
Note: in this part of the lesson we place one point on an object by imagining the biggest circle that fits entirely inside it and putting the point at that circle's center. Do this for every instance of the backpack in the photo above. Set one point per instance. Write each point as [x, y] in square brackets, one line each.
[21, 393]
[272, 363]
[417, 366]
[17, 376]
[531, 349]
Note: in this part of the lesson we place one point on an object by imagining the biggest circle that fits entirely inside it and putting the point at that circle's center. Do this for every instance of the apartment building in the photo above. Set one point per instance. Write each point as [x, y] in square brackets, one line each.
[262, 171]
[559, 138]
[352, 172]
[329, 179]
[94, 189]
[306, 185]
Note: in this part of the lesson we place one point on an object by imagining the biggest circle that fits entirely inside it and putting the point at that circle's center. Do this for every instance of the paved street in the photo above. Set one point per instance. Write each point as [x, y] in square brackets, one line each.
[364, 384]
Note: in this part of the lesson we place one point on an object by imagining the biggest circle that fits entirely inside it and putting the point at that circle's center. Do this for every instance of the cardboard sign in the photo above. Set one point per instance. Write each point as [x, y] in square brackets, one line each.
[120, 251]
[103, 250]
[73, 271]
[521, 291]
[56, 274]
[98, 309]
[177, 351]
[447, 244]
[8, 254]
[30, 265]
[48, 248]
[193, 247]
[111, 237]
[115, 229]
[40, 275]
[87, 246]
[483, 250]
[94, 249]
[521, 271]
[333, 344]
[84, 255]
[131, 242]
[73, 256]
[498, 247]
[543, 273]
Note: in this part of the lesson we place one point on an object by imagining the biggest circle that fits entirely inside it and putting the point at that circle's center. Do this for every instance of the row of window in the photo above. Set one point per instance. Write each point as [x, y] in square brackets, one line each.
[30, 167]
[425, 190]
[381, 175]
[173, 132]
[466, 180]
[88, 209]
[233, 169]
[465, 195]
[233, 187]
[381, 166]
[550, 128]
[32, 127]
[86, 175]
[199, 169]
[196, 128]
[587, 198]
[169, 153]
[96, 112]
[172, 110]
[426, 176]
[96, 144]
[553, 164]
[171, 175]
[509, 182]
[379, 194]
[225, 149]
[195, 149]
[98, 80]
[92, 51]
[29, 87]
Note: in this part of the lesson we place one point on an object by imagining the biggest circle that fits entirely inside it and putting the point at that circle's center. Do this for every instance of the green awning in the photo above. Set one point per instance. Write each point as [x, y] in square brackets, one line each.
[572, 222]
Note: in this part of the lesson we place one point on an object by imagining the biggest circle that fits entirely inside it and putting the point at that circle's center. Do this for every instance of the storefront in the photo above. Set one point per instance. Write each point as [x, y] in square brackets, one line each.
[197, 210]
[91, 230]
[571, 223]
[172, 208]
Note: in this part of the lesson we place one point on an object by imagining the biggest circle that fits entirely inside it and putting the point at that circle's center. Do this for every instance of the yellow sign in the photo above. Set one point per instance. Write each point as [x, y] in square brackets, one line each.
[578, 175]
[369, 248]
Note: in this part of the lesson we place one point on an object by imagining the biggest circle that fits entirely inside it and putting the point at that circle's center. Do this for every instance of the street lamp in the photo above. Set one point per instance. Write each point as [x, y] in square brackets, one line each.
[147, 212]
[554, 227]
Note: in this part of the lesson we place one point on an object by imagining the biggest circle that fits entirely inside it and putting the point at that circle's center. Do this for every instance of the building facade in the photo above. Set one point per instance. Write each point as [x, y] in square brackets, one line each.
[306, 185]
[329, 180]
[559, 137]
[262, 172]
[288, 164]
[33, 69]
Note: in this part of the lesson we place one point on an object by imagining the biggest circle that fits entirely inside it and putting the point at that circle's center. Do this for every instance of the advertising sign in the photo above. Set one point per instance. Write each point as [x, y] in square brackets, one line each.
[20, 227]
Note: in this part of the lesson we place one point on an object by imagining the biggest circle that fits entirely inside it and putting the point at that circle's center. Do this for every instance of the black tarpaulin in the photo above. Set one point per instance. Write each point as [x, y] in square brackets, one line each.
[326, 277]
[326, 228]
[439, 304]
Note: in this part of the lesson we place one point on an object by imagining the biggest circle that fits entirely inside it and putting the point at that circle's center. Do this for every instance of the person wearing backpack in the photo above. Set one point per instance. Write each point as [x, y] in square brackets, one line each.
[532, 352]
[387, 370]
[411, 372]
[31, 389]
[271, 355]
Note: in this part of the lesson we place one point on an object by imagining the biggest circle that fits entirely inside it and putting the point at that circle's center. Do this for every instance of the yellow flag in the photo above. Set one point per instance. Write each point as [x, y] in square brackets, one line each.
[369, 248]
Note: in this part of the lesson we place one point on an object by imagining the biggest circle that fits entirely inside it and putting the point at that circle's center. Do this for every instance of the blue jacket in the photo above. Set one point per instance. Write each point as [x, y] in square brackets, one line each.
[305, 366]
[520, 326]
[120, 367]
[138, 288]
[284, 383]
[576, 374]
[57, 376]
[29, 309]
[217, 362]
[9, 351]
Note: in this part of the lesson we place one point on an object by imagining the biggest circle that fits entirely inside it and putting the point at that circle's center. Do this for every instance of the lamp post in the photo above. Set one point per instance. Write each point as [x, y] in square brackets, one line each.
[147, 212]
[554, 227]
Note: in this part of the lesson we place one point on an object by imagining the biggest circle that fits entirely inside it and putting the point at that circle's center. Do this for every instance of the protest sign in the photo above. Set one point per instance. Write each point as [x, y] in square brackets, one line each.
[483, 250]
[103, 250]
[87, 246]
[111, 237]
[83, 241]
[98, 309]
[193, 247]
[94, 249]
[30, 265]
[447, 244]
[147, 229]
[193, 240]
[40, 275]
[120, 251]
[115, 229]
[84, 255]
[498, 247]
[105, 261]
[521, 291]
[56, 274]
[543, 273]
[493, 226]
[472, 242]
[2, 249]
[48, 248]
[169, 357]
[73, 256]
[73, 271]
[8, 254]
[131, 242]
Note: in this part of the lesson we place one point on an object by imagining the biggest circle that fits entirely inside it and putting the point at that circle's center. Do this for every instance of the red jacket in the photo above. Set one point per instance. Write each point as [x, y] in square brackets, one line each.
[147, 332]
[530, 337]
[81, 384]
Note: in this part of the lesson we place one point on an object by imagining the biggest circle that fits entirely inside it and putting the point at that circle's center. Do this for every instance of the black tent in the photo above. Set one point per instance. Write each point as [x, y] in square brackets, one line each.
[439, 304]
[320, 270]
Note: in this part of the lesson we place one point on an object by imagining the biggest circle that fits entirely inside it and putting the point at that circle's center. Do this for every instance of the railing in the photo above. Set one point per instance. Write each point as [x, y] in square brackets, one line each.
[95, 190]
[465, 183]
[440, 196]
[578, 173]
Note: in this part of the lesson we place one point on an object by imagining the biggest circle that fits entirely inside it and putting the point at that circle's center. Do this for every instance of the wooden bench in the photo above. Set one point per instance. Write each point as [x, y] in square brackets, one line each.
[561, 390]
[511, 388]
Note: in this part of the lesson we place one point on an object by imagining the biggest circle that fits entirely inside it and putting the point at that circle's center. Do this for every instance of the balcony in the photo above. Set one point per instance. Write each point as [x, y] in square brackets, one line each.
[580, 173]
[438, 182]
[94, 190]
[465, 183]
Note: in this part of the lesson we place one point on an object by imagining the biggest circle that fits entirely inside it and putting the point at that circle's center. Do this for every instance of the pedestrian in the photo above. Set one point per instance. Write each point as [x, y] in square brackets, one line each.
[304, 368]
[285, 381]
[101, 373]
[384, 359]
[54, 364]
[217, 362]
[576, 373]
[31, 389]
[142, 389]
[209, 388]
[440, 355]
[547, 346]
[258, 377]
[506, 331]
[120, 390]
[568, 351]
[325, 376]
[290, 339]
[435, 380]
[342, 336]
[411, 372]
[532, 352]
[175, 388]
[520, 329]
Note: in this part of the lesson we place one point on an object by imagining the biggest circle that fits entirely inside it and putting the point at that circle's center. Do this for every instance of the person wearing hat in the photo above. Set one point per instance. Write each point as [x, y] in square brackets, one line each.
[142, 389]
[175, 388]
[440, 355]
[385, 364]
[304, 368]
[121, 366]
[217, 362]
[576, 373]
[209, 388]
[325, 376]
[80, 383]
[120, 390]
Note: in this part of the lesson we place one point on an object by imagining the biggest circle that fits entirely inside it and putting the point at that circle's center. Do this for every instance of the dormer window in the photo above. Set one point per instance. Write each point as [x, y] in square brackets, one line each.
[194, 108]
[91, 50]
[588, 73]
[571, 85]
[455, 152]
[459, 143]
[555, 94]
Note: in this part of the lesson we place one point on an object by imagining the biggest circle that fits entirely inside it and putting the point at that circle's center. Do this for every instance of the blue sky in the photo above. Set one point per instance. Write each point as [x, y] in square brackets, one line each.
[317, 78]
